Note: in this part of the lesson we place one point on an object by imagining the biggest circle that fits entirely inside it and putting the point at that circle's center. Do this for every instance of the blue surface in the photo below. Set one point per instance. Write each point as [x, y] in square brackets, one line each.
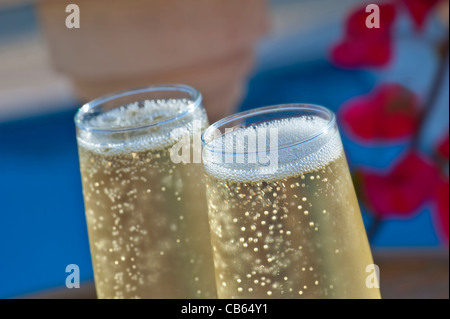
[317, 83]
[42, 224]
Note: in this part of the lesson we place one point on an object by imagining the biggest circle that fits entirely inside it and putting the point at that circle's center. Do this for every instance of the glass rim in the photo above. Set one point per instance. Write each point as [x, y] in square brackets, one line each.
[268, 110]
[93, 104]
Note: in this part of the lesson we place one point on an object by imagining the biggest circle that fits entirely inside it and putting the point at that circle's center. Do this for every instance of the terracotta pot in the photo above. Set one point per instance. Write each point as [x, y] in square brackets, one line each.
[124, 44]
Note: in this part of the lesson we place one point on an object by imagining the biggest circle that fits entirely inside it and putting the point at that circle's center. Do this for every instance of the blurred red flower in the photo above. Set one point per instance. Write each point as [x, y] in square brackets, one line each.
[362, 46]
[391, 112]
[419, 10]
[442, 191]
[442, 148]
[442, 207]
[402, 190]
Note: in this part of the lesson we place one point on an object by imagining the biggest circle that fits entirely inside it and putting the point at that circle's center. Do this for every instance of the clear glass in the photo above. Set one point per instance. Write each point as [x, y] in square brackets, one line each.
[145, 208]
[284, 217]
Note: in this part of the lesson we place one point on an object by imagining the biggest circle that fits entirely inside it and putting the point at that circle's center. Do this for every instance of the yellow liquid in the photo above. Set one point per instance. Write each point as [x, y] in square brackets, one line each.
[147, 220]
[298, 237]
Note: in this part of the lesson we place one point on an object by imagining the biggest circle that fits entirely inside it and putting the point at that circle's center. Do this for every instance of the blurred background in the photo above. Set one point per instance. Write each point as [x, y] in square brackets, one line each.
[388, 87]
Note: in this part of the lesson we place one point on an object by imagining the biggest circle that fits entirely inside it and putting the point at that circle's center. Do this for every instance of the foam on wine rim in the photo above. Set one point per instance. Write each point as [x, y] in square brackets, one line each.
[139, 116]
[305, 144]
